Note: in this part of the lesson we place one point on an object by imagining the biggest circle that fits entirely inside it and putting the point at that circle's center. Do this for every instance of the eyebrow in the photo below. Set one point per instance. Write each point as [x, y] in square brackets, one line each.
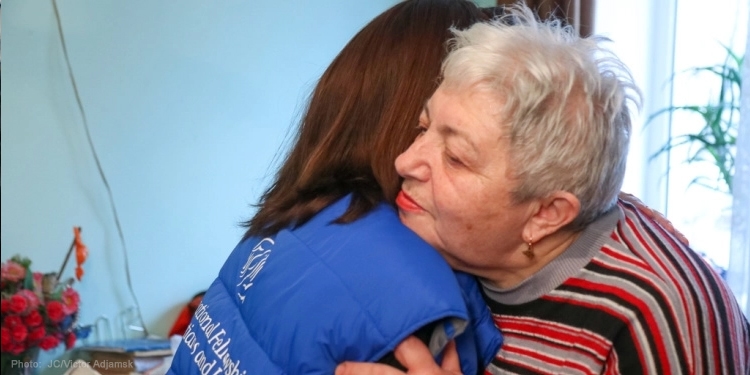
[450, 130]
[425, 109]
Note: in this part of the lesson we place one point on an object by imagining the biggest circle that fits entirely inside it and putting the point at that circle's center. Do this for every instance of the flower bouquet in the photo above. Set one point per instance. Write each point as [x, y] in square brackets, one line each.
[38, 311]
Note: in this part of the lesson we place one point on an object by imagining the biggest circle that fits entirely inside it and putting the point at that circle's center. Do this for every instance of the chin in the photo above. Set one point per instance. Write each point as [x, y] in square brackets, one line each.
[423, 232]
[453, 261]
[455, 264]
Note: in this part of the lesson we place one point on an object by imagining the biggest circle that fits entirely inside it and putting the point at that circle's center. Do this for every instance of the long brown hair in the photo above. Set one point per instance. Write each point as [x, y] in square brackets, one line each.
[362, 114]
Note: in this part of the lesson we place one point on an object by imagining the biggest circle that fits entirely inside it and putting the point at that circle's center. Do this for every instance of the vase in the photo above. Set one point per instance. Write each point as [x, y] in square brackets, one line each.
[26, 363]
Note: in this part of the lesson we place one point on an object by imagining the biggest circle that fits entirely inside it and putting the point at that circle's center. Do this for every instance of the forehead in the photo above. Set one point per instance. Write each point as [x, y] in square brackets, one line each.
[470, 125]
[468, 112]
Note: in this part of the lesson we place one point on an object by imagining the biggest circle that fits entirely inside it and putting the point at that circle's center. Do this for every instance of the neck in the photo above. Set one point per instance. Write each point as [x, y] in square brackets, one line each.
[521, 267]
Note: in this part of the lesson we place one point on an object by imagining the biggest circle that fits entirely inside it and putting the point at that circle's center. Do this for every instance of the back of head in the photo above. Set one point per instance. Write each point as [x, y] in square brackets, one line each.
[362, 114]
[563, 102]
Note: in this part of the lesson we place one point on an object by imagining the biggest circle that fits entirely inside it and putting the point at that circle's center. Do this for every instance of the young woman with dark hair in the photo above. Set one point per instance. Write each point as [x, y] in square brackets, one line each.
[326, 273]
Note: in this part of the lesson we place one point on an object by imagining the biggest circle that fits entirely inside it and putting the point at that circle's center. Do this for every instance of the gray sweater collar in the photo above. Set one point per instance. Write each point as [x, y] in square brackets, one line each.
[566, 265]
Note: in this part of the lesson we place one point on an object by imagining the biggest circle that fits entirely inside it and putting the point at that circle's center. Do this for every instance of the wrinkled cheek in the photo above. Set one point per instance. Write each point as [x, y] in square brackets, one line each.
[453, 234]
[458, 233]
[457, 228]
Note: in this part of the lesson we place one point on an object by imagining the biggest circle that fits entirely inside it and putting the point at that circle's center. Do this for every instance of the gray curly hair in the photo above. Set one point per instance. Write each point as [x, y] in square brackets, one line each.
[564, 102]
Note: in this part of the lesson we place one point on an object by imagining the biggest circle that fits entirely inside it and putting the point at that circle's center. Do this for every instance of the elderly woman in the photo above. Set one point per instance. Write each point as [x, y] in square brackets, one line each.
[514, 178]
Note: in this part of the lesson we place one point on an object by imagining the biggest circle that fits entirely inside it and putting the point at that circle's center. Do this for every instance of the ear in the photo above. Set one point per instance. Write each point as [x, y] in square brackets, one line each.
[551, 214]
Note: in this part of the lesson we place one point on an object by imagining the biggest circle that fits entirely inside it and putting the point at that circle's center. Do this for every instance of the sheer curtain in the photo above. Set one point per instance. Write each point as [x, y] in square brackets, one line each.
[739, 257]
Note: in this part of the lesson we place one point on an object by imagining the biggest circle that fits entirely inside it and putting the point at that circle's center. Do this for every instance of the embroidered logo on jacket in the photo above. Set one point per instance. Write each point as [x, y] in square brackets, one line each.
[254, 264]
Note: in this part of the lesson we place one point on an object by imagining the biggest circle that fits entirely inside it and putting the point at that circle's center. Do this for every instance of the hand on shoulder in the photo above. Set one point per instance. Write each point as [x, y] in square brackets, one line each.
[655, 216]
[414, 355]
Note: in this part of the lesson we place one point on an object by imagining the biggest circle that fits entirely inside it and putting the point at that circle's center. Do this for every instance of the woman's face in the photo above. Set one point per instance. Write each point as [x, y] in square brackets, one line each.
[456, 189]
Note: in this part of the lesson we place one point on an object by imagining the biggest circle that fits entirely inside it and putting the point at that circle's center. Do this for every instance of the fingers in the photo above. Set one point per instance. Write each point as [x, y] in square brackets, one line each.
[363, 368]
[414, 354]
[450, 358]
[416, 357]
[682, 237]
[638, 203]
[411, 353]
[667, 225]
[655, 216]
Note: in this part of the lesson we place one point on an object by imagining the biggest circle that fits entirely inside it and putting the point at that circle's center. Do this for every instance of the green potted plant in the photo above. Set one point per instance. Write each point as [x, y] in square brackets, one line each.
[715, 142]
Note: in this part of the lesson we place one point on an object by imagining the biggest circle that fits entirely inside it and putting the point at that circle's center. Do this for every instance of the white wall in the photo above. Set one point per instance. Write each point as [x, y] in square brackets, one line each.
[187, 103]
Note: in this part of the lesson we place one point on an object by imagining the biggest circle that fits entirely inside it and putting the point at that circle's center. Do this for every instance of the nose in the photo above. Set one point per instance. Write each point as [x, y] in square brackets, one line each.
[412, 163]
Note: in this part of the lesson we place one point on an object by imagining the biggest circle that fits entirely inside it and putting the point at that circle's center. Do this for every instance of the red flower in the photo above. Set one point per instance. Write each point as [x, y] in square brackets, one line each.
[33, 319]
[19, 333]
[70, 299]
[70, 340]
[49, 342]
[15, 348]
[18, 304]
[55, 311]
[38, 311]
[36, 334]
[4, 337]
[31, 298]
[12, 321]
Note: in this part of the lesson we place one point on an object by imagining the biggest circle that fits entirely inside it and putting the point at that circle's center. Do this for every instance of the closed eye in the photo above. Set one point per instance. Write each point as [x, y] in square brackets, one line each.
[454, 161]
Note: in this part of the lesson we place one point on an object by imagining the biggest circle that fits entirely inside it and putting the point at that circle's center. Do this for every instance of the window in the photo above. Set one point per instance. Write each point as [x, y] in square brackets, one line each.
[701, 31]
[657, 39]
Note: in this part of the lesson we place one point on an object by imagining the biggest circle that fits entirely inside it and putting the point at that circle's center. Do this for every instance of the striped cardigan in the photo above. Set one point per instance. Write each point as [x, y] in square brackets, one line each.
[625, 298]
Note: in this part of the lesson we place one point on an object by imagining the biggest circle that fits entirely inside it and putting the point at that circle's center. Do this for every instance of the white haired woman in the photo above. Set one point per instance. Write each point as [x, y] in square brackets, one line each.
[514, 178]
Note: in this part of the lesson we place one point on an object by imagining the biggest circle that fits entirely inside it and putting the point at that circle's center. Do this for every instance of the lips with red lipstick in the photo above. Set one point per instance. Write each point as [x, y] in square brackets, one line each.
[406, 203]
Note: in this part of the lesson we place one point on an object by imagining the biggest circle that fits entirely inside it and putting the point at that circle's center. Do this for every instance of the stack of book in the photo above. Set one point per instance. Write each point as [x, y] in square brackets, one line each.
[129, 356]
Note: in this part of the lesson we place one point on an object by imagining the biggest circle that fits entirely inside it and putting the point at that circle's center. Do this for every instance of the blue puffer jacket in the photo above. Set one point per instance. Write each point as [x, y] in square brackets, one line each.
[315, 296]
